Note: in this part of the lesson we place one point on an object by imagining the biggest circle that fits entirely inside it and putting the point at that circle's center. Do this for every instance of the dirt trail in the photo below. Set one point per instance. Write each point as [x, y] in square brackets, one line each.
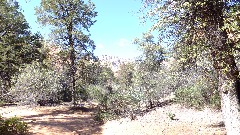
[61, 120]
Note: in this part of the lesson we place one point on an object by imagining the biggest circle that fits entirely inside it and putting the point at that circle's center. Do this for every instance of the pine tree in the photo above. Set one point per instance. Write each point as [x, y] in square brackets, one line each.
[70, 21]
[17, 44]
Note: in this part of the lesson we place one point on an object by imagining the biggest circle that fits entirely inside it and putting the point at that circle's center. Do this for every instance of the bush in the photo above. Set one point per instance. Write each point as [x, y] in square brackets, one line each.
[197, 86]
[215, 100]
[198, 95]
[171, 116]
[138, 89]
[119, 103]
[103, 116]
[36, 83]
[1, 103]
[13, 126]
[190, 96]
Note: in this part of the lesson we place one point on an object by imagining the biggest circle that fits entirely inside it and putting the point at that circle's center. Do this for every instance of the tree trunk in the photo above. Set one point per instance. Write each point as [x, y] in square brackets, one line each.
[229, 89]
[72, 64]
[230, 105]
[228, 84]
[73, 71]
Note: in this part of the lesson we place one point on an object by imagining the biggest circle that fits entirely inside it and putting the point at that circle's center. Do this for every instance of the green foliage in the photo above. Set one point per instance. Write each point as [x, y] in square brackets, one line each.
[198, 89]
[105, 76]
[144, 88]
[142, 84]
[96, 92]
[88, 72]
[120, 102]
[191, 96]
[215, 100]
[206, 29]
[70, 22]
[101, 96]
[17, 45]
[171, 116]
[125, 75]
[153, 53]
[203, 34]
[194, 97]
[231, 24]
[13, 126]
[2, 103]
[152, 79]
[36, 83]
[103, 117]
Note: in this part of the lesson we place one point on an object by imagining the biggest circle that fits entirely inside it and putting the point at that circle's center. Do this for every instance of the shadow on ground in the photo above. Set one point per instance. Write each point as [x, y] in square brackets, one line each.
[64, 121]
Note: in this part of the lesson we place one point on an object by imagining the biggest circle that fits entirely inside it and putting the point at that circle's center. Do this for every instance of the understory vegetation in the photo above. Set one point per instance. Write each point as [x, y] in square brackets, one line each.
[134, 92]
[135, 87]
[13, 126]
[192, 70]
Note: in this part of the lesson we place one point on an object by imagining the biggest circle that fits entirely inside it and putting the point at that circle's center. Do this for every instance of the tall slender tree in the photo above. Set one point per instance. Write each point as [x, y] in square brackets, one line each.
[70, 21]
[210, 29]
[17, 44]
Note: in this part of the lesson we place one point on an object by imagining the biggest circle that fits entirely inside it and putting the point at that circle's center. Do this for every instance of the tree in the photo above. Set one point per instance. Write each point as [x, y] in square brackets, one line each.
[209, 29]
[153, 53]
[126, 74]
[149, 67]
[70, 22]
[17, 44]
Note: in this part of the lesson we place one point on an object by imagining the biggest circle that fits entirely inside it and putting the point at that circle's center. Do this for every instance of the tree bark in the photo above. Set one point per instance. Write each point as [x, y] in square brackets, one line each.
[228, 75]
[228, 86]
[230, 102]
[72, 63]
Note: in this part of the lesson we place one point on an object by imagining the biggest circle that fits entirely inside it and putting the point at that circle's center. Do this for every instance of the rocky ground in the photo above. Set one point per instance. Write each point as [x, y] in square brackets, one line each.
[62, 120]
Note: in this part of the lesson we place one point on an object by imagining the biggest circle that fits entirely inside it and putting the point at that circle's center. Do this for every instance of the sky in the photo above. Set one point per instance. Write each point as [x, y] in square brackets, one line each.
[117, 25]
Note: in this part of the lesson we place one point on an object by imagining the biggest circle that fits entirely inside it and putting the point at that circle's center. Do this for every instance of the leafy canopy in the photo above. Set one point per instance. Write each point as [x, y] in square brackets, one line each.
[17, 44]
[69, 18]
[197, 29]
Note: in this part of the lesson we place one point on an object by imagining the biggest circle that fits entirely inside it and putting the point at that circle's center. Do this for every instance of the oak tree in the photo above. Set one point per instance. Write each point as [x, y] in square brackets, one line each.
[200, 29]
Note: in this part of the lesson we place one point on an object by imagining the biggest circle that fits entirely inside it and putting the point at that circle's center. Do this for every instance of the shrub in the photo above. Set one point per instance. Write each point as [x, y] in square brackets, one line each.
[197, 86]
[1, 103]
[198, 95]
[190, 96]
[103, 116]
[215, 100]
[119, 103]
[36, 83]
[13, 126]
[171, 116]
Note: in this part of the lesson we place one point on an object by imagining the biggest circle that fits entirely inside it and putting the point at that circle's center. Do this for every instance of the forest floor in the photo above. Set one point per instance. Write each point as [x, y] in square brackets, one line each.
[62, 120]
